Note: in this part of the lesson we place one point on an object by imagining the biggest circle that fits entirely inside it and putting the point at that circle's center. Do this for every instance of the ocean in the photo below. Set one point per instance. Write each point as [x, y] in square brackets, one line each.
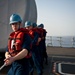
[60, 41]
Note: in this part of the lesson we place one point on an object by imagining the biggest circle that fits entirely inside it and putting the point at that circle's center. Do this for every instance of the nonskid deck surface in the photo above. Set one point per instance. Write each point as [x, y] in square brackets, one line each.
[48, 68]
[53, 58]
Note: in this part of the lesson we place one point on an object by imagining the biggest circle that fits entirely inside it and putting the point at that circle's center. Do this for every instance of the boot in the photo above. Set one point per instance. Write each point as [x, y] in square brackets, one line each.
[31, 73]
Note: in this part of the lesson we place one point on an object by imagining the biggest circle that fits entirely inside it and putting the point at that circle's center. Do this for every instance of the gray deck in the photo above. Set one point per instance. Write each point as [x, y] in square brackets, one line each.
[55, 55]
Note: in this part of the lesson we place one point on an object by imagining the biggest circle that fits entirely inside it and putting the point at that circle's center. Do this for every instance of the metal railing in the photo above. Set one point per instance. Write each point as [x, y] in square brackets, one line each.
[64, 41]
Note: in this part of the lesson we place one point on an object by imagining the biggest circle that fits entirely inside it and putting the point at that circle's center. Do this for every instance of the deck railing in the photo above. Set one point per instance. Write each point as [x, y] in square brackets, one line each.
[65, 41]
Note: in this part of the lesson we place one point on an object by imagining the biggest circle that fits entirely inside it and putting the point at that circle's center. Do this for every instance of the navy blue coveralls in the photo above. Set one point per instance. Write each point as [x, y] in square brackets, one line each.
[21, 67]
[36, 54]
[42, 46]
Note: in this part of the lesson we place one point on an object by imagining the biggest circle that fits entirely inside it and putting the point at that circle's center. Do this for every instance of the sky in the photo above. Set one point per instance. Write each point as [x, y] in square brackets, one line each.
[58, 16]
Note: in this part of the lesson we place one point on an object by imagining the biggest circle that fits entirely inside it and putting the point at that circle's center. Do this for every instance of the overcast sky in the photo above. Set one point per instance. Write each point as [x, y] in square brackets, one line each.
[58, 16]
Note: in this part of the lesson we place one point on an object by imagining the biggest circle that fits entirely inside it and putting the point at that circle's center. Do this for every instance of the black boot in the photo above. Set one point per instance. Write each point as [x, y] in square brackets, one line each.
[41, 73]
[31, 73]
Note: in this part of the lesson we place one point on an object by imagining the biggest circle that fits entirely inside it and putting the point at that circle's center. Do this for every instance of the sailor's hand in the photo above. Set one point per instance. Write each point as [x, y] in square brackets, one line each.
[7, 56]
[9, 60]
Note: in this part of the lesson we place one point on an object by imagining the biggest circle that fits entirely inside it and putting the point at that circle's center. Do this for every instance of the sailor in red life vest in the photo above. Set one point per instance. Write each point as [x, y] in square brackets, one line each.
[35, 51]
[40, 30]
[43, 44]
[18, 48]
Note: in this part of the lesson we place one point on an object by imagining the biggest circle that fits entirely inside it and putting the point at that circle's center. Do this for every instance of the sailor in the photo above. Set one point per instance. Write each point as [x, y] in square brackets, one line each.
[18, 48]
[42, 45]
[35, 51]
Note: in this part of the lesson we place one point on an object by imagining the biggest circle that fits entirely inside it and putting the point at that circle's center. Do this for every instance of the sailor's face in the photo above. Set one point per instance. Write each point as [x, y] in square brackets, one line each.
[29, 27]
[15, 26]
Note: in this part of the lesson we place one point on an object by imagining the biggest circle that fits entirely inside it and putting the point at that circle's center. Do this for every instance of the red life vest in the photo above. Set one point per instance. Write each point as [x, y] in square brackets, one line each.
[40, 31]
[15, 41]
[31, 32]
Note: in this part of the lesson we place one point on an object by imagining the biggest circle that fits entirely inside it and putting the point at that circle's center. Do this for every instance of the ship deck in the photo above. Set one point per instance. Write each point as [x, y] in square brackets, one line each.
[55, 55]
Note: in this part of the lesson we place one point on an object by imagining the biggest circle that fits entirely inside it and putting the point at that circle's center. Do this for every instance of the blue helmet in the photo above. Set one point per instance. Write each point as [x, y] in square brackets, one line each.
[28, 23]
[34, 25]
[15, 18]
[41, 26]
